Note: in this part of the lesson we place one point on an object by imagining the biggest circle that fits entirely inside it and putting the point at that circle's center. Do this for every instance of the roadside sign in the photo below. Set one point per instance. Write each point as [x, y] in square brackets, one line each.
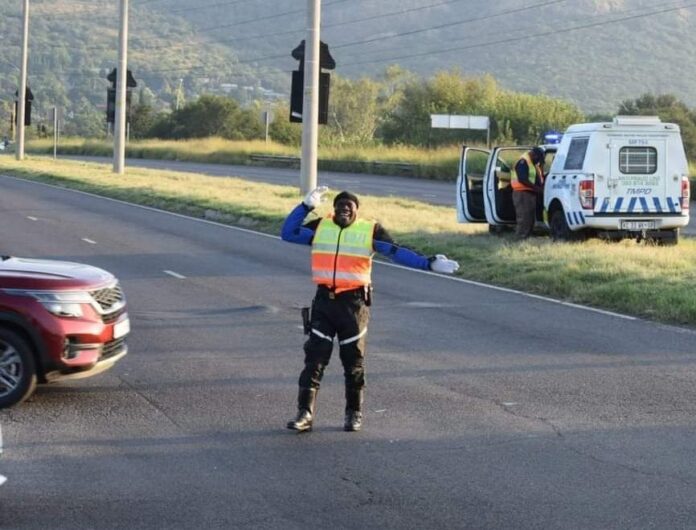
[454, 121]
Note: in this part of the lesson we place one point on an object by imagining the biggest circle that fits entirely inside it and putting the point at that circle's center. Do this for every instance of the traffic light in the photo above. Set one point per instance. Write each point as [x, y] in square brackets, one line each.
[326, 62]
[110, 105]
[111, 95]
[297, 97]
[28, 98]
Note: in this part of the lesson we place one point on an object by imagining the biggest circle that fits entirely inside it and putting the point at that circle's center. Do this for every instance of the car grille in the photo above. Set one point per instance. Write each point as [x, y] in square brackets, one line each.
[113, 348]
[110, 301]
[108, 297]
[112, 317]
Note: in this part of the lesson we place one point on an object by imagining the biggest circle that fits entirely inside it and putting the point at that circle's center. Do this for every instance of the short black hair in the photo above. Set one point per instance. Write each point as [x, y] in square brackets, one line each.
[347, 195]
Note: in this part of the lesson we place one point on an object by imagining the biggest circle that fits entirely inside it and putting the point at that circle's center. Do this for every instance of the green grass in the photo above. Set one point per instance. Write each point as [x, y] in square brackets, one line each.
[639, 279]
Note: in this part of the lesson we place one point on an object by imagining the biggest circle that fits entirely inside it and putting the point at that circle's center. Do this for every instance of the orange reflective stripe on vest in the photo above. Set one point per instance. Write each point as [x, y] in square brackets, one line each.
[342, 257]
[534, 172]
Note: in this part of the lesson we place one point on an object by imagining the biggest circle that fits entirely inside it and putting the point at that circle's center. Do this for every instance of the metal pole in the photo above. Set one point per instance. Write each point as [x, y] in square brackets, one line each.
[13, 128]
[267, 120]
[310, 105]
[21, 93]
[121, 78]
[178, 93]
[55, 133]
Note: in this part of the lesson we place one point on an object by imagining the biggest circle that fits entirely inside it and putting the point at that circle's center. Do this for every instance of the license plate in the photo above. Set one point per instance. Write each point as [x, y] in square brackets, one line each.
[121, 329]
[637, 225]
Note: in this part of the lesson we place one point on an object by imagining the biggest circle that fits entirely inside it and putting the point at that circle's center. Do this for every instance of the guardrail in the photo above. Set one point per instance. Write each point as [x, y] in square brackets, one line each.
[401, 168]
[395, 168]
[276, 159]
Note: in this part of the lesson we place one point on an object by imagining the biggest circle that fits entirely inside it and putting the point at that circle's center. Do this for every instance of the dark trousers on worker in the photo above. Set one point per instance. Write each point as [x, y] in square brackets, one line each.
[345, 316]
[525, 203]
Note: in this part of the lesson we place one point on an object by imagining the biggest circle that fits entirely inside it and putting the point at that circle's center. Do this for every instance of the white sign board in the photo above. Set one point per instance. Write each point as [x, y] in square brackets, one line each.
[451, 121]
[478, 122]
[440, 121]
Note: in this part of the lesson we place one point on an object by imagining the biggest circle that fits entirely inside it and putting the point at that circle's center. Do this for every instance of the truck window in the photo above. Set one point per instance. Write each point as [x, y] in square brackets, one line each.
[576, 153]
[638, 160]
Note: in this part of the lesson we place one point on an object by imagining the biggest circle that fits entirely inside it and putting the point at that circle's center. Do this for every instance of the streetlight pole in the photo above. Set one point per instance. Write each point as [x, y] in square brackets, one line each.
[22, 91]
[121, 79]
[310, 105]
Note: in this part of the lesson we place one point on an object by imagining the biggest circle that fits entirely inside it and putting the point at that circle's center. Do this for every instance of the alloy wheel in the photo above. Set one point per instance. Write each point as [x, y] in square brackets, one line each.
[10, 368]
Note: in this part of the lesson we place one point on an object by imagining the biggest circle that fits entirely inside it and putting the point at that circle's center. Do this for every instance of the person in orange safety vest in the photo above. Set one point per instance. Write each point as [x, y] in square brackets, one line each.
[527, 185]
[342, 250]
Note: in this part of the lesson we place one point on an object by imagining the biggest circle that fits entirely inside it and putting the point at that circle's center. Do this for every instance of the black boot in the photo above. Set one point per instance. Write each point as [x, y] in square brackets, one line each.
[306, 399]
[354, 418]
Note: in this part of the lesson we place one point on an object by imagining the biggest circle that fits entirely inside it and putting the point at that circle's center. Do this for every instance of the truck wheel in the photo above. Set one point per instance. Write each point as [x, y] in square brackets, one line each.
[669, 237]
[17, 369]
[560, 231]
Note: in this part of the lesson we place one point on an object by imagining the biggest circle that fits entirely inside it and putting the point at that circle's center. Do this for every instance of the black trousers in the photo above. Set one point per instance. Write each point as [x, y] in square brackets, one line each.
[525, 212]
[345, 316]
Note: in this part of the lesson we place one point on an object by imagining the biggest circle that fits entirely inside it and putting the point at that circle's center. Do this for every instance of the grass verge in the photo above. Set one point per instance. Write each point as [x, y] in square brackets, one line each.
[639, 279]
[440, 164]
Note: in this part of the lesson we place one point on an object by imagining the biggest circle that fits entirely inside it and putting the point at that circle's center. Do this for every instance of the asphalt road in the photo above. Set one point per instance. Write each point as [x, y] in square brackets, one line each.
[435, 192]
[486, 409]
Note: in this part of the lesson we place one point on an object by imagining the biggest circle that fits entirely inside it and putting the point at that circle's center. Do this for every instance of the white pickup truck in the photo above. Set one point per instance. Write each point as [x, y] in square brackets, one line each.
[624, 179]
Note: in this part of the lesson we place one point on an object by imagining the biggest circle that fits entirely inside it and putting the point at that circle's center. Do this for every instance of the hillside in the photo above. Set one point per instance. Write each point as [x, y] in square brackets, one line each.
[596, 67]
[179, 48]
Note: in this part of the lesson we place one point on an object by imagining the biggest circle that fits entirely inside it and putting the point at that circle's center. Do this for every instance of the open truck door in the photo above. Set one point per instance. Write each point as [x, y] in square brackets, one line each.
[498, 196]
[500, 210]
[470, 185]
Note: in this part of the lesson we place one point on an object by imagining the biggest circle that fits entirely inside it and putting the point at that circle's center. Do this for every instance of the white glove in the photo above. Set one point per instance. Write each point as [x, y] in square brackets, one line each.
[315, 197]
[443, 265]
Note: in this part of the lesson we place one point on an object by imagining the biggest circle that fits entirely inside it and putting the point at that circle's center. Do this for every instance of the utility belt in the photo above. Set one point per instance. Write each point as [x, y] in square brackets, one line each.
[364, 293]
[326, 293]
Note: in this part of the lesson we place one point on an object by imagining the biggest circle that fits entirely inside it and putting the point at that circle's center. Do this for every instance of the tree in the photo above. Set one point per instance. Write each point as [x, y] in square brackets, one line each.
[208, 116]
[669, 109]
[515, 117]
[282, 130]
[85, 121]
[353, 112]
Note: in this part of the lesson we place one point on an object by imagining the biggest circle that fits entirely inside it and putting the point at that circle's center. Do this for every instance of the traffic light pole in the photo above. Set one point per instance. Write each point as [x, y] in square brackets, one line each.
[121, 79]
[22, 91]
[310, 106]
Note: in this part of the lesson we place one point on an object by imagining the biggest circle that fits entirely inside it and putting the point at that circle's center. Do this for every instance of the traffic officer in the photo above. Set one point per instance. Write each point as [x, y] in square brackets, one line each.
[527, 181]
[342, 250]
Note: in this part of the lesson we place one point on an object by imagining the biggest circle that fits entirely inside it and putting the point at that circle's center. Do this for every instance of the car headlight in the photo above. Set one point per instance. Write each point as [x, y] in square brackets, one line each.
[59, 303]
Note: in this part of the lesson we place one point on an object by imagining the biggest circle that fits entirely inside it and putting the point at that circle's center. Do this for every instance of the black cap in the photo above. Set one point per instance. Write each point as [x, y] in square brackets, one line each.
[539, 154]
[346, 195]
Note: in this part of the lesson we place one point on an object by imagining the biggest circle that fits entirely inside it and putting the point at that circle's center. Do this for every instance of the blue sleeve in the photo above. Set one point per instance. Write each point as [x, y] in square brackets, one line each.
[402, 256]
[293, 231]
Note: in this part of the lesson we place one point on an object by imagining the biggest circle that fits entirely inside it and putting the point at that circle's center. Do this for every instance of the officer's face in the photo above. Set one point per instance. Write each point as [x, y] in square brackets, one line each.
[345, 212]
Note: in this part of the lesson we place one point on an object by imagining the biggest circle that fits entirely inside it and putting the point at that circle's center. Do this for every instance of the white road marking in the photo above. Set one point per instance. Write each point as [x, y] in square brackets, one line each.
[509, 403]
[31, 218]
[176, 275]
[428, 305]
[511, 291]
[87, 240]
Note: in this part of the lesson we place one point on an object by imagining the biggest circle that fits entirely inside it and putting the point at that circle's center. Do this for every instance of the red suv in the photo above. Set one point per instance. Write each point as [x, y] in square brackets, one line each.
[58, 320]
